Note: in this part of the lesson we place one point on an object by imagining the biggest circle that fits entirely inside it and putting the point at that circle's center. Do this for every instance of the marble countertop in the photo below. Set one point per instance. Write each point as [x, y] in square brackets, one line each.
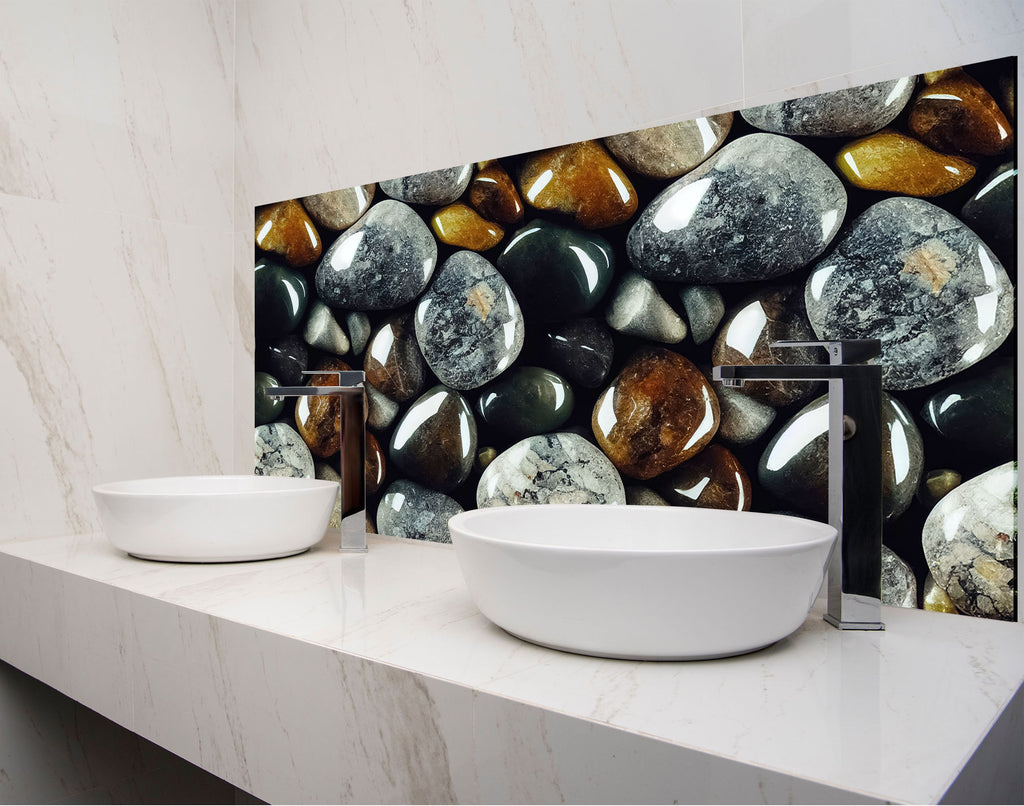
[373, 678]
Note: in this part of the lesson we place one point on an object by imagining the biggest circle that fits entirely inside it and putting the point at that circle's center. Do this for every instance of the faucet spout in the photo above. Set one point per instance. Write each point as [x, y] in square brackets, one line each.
[350, 390]
[854, 470]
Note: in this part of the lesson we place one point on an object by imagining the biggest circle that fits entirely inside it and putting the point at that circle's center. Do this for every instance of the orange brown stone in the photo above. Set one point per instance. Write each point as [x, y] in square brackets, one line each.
[287, 230]
[890, 161]
[317, 417]
[460, 225]
[376, 468]
[494, 195]
[579, 179]
[658, 412]
[957, 115]
[713, 478]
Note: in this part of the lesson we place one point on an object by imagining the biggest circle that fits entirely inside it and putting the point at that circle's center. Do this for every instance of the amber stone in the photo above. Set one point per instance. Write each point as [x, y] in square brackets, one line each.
[888, 160]
[318, 418]
[286, 229]
[579, 179]
[713, 478]
[393, 362]
[494, 195]
[461, 226]
[376, 468]
[658, 412]
[957, 115]
[935, 598]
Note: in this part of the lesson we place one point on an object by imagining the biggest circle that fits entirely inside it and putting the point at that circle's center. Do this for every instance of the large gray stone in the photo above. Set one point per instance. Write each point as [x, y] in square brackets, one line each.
[432, 187]
[280, 451]
[408, 509]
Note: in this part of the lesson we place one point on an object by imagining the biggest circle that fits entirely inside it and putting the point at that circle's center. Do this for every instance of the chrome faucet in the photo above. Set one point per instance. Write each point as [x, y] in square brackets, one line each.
[854, 470]
[351, 393]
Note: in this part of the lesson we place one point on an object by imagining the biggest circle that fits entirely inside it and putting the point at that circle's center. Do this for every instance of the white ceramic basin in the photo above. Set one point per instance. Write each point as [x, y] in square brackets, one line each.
[211, 519]
[646, 583]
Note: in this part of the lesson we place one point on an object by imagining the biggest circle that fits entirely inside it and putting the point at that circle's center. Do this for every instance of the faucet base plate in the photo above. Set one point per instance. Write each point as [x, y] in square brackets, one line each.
[853, 625]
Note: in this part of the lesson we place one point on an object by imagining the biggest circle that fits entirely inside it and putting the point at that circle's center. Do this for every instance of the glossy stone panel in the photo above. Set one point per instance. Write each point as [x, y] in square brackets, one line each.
[761, 207]
[794, 465]
[382, 261]
[526, 401]
[970, 543]
[890, 161]
[468, 325]
[657, 413]
[746, 336]
[556, 272]
[559, 468]
[912, 275]
[434, 442]
[668, 151]
[393, 361]
[714, 478]
[581, 180]
[843, 113]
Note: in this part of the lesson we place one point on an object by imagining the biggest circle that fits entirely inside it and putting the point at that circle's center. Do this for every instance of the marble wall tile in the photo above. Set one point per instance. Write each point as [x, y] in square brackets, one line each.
[115, 339]
[120, 106]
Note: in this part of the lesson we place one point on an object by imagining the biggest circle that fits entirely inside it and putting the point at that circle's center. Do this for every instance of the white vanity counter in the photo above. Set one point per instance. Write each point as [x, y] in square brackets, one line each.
[373, 679]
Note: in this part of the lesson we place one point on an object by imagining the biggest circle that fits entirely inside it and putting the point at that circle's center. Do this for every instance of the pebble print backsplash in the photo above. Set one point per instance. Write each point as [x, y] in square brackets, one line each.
[540, 328]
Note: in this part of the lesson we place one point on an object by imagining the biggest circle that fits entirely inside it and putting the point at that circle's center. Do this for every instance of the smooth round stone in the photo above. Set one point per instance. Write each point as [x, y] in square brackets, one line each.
[435, 441]
[743, 419]
[970, 543]
[910, 274]
[393, 361]
[957, 115]
[936, 485]
[581, 350]
[469, 325]
[318, 417]
[557, 273]
[639, 496]
[581, 180]
[285, 229]
[761, 207]
[267, 408]
[657, 413]
[339, 209]
[713, 479]
[665, 152]
[704, 309]
[637, 309]
[328, 472]
[493, 194]
[461, 226]
[280, 451]
[770, 315]
[285, 358]
[526, 401]
[412, 511]
[894, 162]
[794, 465]
[323, 331]
[431, 187]
[979, 414]
[376, 465]
[560, 468]
[382, 261]
[991, 211]
[935, 598]
[381, 410]
[358, 324]
[843, 113]
[899, 586]
[280, 299]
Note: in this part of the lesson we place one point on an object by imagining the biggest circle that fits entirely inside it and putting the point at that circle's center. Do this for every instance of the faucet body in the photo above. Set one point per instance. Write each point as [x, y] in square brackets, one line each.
[854, 470]
[352, 415]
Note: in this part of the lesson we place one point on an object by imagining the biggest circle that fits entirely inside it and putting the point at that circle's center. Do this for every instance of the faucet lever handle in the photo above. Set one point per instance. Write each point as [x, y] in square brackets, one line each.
[842, 351]
[345, 377]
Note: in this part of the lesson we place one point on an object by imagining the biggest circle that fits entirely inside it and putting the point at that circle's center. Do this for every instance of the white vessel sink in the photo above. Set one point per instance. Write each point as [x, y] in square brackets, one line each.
[211, 519]
[645, 583]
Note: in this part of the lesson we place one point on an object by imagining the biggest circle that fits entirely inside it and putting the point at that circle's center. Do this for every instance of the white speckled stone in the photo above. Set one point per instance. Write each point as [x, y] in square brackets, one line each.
[899, 585]
[411, 510]
[970, 543]
[560, 468]
[280, 451]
